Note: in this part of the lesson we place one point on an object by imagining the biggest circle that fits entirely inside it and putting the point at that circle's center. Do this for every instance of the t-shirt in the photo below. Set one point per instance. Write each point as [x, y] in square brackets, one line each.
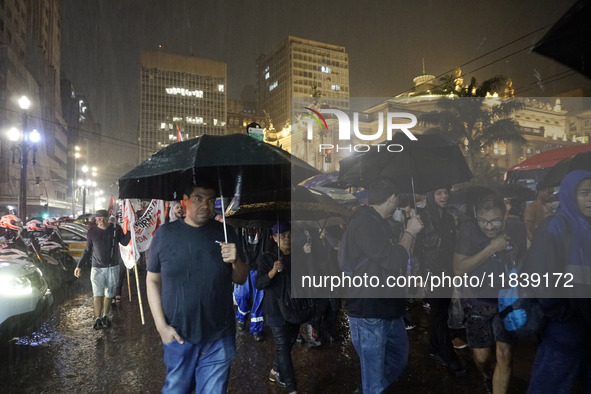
[101, 246]
[472, 240]
[196, 282]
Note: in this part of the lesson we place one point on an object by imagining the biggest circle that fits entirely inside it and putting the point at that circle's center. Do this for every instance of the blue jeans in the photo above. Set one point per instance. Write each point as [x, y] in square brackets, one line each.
[382, 346]
[563, 357]
[204, 368]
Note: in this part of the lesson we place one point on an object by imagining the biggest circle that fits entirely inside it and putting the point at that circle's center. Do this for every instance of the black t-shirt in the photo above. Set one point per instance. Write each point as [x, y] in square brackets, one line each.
[102, 247]
[472, 240]
[196, 283]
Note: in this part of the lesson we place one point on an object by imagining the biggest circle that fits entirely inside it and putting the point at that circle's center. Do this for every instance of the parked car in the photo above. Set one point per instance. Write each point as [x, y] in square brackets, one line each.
[74, 235]
[24, 296]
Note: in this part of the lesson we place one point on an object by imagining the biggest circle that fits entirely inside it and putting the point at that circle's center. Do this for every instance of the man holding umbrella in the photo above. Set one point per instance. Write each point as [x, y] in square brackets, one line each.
[377, 326]
[189, 287]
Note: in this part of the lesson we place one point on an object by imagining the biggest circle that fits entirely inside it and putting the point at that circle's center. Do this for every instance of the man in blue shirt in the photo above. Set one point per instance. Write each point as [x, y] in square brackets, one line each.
[189, 287]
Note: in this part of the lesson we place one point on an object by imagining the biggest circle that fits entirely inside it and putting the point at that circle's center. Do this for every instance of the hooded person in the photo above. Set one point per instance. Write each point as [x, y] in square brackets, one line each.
[434, 250]
[562, 244]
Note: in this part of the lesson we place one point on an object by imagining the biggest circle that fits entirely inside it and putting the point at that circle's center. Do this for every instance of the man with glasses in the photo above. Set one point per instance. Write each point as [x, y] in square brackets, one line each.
[488, 245]
[102, 250]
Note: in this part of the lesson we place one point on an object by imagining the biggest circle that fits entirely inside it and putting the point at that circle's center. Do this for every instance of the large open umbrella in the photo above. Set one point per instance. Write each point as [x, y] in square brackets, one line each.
[431, 163]
[581, 161]
[235, 161]
[295, 204]
[568, 40]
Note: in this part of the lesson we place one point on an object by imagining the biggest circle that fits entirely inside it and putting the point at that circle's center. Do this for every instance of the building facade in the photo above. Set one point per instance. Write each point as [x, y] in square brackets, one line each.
[30, 52]
[180, 95]
[299, 68]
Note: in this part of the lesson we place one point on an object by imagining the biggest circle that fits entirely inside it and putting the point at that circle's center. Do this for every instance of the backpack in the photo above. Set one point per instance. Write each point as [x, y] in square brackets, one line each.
[522, 314]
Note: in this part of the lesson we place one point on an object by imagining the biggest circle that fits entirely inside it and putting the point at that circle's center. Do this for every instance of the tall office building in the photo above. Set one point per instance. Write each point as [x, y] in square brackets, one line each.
[30, 65]
[301, 68]
[180, 93]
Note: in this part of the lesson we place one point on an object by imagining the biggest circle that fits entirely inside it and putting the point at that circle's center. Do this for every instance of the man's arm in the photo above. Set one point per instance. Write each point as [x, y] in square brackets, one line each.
[230, 256]
[154, 291]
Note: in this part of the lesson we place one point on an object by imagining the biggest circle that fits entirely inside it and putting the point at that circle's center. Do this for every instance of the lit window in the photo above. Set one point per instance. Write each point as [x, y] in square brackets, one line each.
[215, 122]
[267, 75]
[220, 87]
[335, 87]
[325, 69]
[162, 126]
[273, 86]
[184, 92]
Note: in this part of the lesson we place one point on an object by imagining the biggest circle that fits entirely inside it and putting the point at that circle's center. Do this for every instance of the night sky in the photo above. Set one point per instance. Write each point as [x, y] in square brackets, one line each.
[386, 41]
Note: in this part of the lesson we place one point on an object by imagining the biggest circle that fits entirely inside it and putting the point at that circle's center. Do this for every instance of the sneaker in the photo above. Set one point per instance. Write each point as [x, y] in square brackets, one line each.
[313, 340]
[458, 343]
[436, 358]
[487, 382]
[258, 337]
[240, 325]
[275, 378]
[106, 322]
[409, 325]
[98, 324]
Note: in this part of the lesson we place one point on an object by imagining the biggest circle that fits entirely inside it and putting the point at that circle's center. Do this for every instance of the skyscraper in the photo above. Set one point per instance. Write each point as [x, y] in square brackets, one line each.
[180, 95]
[300, 68]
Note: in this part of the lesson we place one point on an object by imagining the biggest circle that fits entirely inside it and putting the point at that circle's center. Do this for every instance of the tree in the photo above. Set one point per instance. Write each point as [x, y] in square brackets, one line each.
[476, 122]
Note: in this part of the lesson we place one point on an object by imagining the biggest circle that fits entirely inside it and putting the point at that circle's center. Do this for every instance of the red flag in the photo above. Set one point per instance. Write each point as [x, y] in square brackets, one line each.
[179, 137]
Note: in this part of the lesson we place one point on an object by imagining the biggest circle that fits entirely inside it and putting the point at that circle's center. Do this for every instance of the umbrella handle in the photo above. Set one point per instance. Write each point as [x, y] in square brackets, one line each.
[223, 208]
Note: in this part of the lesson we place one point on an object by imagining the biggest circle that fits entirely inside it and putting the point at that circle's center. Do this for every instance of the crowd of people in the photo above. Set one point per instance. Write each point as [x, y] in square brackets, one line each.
[203, 283]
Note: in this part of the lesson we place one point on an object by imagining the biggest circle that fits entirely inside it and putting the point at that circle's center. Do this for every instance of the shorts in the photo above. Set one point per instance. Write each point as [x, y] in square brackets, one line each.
[104, 281]
[485, 327]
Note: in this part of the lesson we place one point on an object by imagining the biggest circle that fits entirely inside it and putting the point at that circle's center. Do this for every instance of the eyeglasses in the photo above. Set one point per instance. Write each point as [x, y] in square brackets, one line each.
[484, 223]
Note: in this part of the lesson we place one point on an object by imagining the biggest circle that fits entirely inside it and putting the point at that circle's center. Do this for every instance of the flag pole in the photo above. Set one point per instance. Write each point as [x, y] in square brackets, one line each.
[139, 295]
[128, 284]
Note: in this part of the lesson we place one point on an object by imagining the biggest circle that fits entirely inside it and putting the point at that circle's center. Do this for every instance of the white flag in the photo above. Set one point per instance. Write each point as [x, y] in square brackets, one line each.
[129, 253]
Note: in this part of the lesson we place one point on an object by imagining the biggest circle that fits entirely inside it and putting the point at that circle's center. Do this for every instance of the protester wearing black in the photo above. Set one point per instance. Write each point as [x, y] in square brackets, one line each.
[271, 276]
[102, 251]
[377, 326]
[434, 250]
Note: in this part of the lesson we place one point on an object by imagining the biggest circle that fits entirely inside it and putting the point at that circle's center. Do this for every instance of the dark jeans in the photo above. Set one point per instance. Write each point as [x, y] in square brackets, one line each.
[285, 337]
[563, 357]
[440, 335]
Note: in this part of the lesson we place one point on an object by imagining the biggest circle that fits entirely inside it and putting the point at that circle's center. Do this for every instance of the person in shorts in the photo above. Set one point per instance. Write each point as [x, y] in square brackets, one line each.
[102, 251]
[489, 244]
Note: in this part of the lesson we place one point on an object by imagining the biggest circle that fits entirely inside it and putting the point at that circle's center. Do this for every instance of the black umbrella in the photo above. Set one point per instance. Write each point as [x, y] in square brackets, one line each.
[470, 195]
[568, 40]
[235, 161]
[431, 163]
[581, 161]
[515, 191]
[295, 204]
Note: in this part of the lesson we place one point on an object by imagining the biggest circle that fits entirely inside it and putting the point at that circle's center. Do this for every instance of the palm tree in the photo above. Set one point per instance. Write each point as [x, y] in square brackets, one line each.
[475, 122]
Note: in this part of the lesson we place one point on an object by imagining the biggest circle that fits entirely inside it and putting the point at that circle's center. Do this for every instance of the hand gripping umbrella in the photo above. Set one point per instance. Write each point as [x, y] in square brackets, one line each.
[431, 163]
[241, 164]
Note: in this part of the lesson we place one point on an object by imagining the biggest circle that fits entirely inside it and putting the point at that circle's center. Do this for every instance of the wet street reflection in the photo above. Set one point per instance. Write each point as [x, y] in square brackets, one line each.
[65, 355]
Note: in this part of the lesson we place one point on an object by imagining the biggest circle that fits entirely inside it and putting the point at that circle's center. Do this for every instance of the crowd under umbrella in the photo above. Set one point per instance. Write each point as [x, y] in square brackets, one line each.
[430, 163]
[239, 164]
[303, 207]
[581, 161]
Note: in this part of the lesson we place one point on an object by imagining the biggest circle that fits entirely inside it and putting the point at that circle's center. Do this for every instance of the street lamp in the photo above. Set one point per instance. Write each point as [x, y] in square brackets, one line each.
[77, 155]
[27, 143]
[85, 184]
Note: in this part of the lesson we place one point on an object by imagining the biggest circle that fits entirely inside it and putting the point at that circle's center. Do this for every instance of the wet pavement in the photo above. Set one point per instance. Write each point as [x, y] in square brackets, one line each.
[65, 355]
